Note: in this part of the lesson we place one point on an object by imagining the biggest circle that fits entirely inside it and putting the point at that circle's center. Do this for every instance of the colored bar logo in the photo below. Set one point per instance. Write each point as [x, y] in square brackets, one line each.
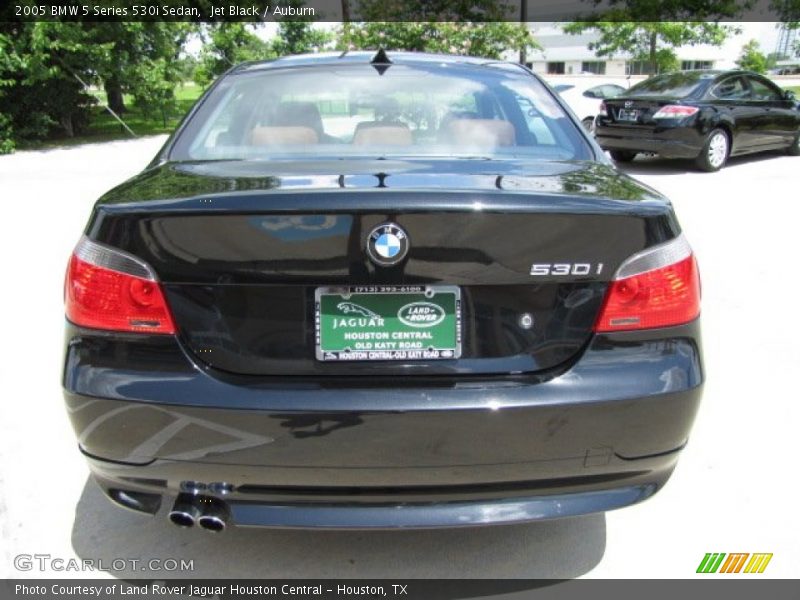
[716, 562]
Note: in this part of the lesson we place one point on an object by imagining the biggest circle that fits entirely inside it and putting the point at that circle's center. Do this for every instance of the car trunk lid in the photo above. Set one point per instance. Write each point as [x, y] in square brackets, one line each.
[243, 259]
[634, 111]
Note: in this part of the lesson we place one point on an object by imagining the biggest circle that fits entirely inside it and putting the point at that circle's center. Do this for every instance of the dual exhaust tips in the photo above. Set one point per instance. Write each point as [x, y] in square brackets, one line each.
[212, 514]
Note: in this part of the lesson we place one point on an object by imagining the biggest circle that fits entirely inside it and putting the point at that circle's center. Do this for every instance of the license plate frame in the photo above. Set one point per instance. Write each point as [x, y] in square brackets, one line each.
[372, 313]
[629, 115]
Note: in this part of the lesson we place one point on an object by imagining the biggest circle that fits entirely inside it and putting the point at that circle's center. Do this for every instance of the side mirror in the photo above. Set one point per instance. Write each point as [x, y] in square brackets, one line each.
[789, 95]
[590, 94]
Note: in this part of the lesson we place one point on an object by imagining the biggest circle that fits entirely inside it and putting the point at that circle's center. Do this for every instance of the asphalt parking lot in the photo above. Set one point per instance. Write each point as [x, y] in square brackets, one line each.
[735, 489]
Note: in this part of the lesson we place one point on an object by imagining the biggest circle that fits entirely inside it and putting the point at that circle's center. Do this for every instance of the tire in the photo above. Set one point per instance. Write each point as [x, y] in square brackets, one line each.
[588, 124]
[622, 155]
[794, 149]
[715, 151]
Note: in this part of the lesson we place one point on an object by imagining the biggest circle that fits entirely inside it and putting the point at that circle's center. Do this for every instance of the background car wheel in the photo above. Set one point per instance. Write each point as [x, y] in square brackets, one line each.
[715, 151]
[794, 149]
[622, 155]
[588, 124]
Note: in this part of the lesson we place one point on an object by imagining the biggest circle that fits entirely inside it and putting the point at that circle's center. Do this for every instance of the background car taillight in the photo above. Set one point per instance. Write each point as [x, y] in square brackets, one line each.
[109, 289]
[675, 111]
[658, 287]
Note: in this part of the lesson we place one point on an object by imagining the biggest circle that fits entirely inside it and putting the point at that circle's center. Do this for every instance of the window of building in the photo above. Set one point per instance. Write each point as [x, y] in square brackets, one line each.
[555, 68]
[696, 65]
[639, 67]
[598, 67]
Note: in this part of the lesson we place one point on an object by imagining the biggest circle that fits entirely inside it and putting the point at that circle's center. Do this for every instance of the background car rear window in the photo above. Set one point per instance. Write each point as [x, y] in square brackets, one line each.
[356, 110]
[608, 90]
[671, 85]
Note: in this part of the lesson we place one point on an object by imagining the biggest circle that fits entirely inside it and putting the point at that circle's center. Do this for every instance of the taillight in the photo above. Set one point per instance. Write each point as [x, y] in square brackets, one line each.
[603, 110]
[675, 111]
[659, 287]
[110, 289]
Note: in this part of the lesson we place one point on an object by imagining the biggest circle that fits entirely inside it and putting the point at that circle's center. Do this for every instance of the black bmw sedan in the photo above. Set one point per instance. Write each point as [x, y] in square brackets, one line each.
[706, 116]
[376, 291]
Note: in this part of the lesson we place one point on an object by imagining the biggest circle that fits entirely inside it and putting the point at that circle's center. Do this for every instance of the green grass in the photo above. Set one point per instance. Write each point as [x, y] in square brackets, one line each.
[105, 128]
[795, 89]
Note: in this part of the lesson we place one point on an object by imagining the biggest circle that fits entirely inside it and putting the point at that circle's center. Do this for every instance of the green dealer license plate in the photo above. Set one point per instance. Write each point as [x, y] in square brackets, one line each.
[388, 323]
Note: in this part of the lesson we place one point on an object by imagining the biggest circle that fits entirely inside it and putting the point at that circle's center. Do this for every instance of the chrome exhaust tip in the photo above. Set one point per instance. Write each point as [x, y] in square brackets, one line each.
[214, 514]
[185, 511]
[213, 523]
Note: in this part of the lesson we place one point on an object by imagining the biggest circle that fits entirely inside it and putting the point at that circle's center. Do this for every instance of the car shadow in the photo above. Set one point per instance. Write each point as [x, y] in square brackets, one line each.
[558, 549]
[654, 165]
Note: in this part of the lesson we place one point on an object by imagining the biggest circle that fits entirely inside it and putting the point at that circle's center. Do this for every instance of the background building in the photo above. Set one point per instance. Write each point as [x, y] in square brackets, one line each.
[565, 54]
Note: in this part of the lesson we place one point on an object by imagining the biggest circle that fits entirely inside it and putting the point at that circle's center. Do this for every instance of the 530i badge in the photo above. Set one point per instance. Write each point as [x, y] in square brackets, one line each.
[381, 291]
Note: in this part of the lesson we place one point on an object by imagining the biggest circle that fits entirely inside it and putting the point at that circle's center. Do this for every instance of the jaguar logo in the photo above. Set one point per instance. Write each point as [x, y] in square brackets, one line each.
[351, 308]
[421, 314]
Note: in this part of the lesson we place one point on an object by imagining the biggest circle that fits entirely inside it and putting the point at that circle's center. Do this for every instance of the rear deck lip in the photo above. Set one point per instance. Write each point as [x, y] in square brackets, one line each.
[663, 147]
[442, 508]
[438, 515]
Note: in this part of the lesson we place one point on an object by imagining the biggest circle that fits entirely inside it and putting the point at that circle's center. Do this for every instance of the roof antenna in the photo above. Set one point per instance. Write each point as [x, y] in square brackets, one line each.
[380, 61]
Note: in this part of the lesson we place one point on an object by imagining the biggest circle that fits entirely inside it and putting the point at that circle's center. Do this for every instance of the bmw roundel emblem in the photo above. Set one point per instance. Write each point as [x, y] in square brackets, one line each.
[387, 244]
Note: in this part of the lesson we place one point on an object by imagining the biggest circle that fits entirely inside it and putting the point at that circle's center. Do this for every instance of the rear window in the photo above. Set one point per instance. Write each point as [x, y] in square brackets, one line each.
[672, 85]
[360, 110]
[608, 90]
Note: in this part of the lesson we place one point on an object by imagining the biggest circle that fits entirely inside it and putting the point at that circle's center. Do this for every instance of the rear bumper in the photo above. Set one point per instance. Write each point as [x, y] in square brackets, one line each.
[368, 507]
[679, 142]
[598, 434]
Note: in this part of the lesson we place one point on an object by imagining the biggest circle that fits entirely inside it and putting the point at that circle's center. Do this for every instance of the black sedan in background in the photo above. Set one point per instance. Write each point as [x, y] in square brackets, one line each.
[703, 115]
[381, 291]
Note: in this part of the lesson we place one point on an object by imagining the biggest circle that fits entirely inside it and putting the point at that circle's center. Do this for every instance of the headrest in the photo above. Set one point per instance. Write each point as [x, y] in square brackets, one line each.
[278, 136]
[298, 114]
[480, 132]
[378, 133]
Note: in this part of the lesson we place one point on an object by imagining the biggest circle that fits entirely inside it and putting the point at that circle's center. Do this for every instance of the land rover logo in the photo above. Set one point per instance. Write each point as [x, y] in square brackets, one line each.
[421, 314]
[387, 244]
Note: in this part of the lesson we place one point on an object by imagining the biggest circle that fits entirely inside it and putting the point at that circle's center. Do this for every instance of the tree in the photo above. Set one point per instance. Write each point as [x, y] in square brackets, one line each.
[490, 40]
[134, 49]
[9, 65]
[651, 41]
[154, 86]
[788, 13]
[484, 11]
[470, 27]
[794, 25]
[6, 135]
[649, 30]
[752, 58]
[41, 65]
[297, 35]
[226, 45]
[45, 68]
